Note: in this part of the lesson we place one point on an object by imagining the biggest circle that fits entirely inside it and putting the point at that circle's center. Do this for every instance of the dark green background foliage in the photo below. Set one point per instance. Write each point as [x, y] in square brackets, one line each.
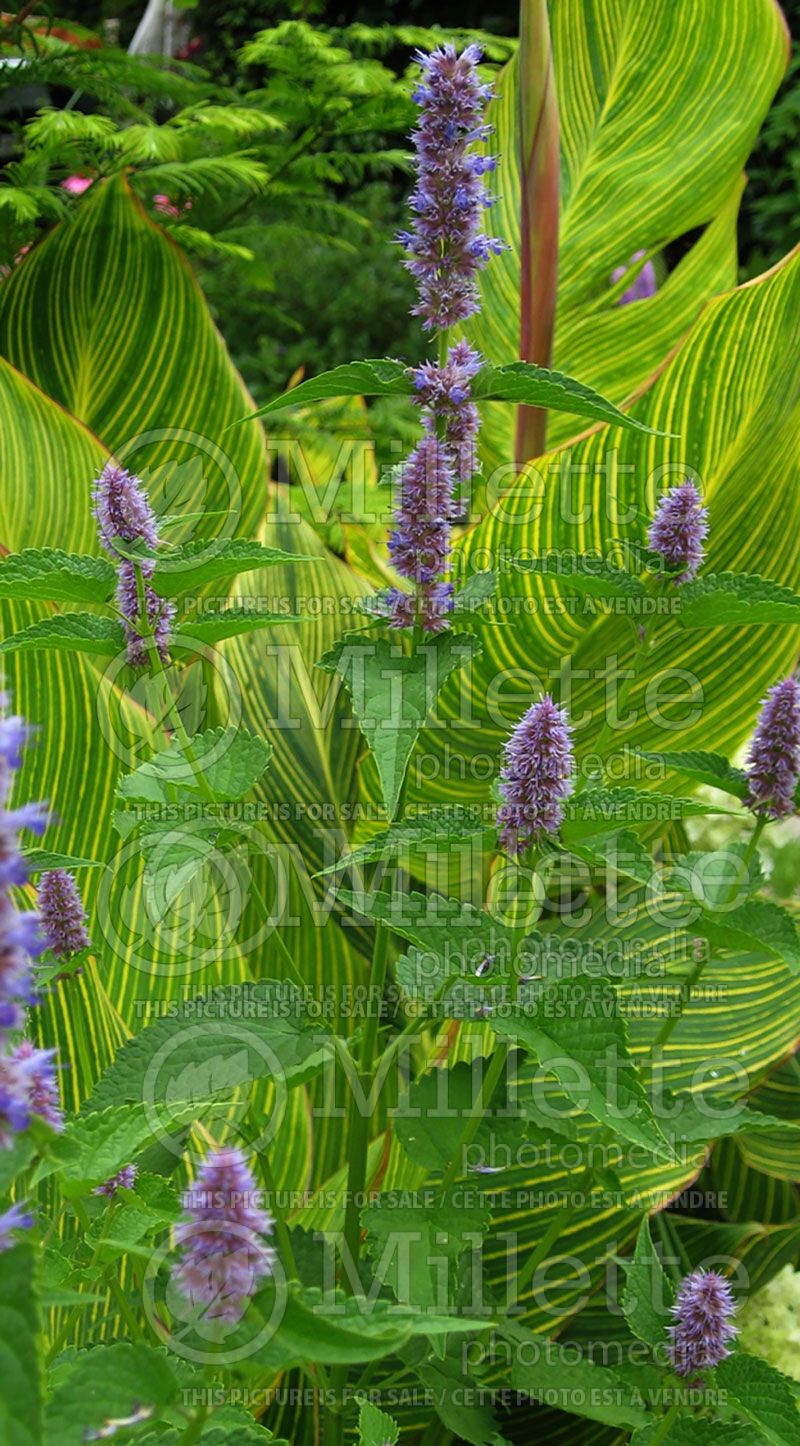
[342, 292]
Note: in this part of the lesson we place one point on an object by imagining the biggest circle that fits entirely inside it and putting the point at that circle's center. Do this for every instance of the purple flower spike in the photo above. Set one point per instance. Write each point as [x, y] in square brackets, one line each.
[773, 767]
[15, 1218]
[420, 543]
[446, 248]
[125, 1179]
[124, 516]
[224, 1255]
[62, 914]
[535, 777]
[702, 1312]
[35, 1072]
[679, 529]
[20, 939]
[644, 285]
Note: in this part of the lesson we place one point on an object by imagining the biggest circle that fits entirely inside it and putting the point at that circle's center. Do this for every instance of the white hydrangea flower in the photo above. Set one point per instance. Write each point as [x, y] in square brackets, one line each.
[769, 1322]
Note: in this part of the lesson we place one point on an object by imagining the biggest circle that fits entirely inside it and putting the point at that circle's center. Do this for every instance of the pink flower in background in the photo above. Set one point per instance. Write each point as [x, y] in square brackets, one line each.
[76, 185]
[166, 207]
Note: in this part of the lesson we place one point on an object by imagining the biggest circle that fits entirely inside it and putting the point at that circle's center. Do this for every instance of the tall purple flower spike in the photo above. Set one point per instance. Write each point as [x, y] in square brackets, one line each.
[679, 529]
[224, 1254]
[446, 246]
[703, 1327]
[536, 776]
[62, 914]
[643, 287]
[20, 939]
[124, 515]
[773, 766]
[446, 249]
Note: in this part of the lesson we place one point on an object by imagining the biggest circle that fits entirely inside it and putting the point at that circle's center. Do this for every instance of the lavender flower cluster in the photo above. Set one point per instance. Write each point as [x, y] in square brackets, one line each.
[28, 1084]
[773, 768]
[679, 529]
[703, 1326]
[446, 250]
[536, 776]
[224, 1253]
[446, 246]
[124, 516]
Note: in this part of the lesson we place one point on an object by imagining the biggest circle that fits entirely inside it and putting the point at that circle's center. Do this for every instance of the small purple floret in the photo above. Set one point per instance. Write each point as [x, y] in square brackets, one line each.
[679, 529]
[62, 914]
[124, 516]
[644, 285]
[773, 767]
[224, 1254]
[703, 1326]
[125, 1179]
[536, 776]
[15, 1218]
[20, 937]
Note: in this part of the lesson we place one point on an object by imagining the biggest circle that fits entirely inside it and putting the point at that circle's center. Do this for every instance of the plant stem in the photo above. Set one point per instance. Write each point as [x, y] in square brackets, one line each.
[112, 1282]
[195, 1427]
[662, 1428]
[358, 1118]
[281, 1230]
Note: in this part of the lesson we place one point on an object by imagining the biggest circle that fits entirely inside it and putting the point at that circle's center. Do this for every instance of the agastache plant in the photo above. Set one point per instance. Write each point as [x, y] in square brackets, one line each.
[536, 776]
[773, 767]
[703, 1326]
[125, 518]
[62, 915]
[679, 529]
[224, 1255]
[446, 249]
[28, 1083]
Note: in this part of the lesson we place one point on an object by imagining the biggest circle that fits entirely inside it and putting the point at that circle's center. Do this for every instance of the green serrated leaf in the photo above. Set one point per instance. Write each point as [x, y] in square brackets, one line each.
[231, 760]
[586, 574]
[761, 1394]
[392, 693]
[600, 810]
[435, 830]
[534, 386]
[430, 1117]
[51, 575]
[376, 377]
[648, 1294]
[244, 1033]
[70, 633]
[375, 1428]
[108, 1383]
[410, 1234]
[732, 599]
[38, 861]
[192, 565]
[757, 924]
[546, 1370]
[229, 622]
[709, 768]
[575, 1029]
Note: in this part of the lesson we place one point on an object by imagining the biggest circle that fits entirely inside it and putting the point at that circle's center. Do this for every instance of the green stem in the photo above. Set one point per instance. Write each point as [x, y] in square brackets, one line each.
[281, 1229]
[607, 732]
[358, 1118]
[663, 1427]
[113, 1284]
[194, 1429]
